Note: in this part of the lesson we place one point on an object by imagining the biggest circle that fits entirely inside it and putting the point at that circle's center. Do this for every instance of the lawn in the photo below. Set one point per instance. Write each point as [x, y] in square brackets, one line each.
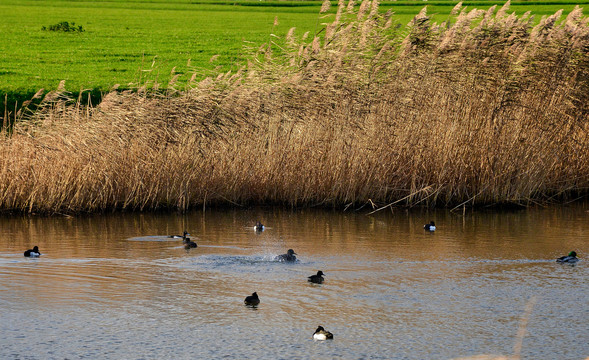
[123, 39]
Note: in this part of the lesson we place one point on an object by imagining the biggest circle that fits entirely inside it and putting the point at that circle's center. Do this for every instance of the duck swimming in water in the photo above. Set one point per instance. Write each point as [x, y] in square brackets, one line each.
[184, 236]
[186, 240]
[252, 300]
[430, 227]
[318, 278]
[571, 258]
[33, 253]
[259, 227]
[322, 334]
[288, 257]
[189, 244]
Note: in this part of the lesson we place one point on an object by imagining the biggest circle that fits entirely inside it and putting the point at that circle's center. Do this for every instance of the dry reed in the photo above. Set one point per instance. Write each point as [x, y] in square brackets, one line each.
[481, 109]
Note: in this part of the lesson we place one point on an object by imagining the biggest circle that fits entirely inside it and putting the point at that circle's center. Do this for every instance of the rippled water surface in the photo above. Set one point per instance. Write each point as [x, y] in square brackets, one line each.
[116, 287]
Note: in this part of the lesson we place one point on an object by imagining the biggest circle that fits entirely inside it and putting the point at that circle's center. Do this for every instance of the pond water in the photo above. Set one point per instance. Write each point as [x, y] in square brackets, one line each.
[116, 287]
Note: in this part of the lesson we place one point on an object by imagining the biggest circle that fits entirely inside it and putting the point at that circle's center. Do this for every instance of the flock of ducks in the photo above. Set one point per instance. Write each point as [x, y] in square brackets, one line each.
[290, 257]
[188, 244]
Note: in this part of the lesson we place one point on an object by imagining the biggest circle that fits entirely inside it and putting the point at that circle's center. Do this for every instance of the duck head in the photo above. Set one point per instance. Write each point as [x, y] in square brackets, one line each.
[319, 329]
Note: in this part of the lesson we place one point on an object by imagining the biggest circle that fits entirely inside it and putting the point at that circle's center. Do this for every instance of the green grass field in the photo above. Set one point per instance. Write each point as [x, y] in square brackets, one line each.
[123, 38]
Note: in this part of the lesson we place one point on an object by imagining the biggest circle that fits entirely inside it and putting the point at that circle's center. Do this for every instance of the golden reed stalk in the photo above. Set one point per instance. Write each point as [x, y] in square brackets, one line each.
[481, 109]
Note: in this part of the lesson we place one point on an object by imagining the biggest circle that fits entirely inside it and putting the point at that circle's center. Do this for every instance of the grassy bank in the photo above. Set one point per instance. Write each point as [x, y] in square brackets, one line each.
[486, 109]
[122, 39]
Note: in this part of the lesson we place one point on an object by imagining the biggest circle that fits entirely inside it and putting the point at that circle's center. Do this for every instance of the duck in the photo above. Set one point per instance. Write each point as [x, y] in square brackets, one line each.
[322, 334]
[189, 244]
[288, 257]
[183, 236]
[430, 227]
[571, 258]
[33, 253]
[259, 227]
[186, 240]
[318, 278]
[252, 300]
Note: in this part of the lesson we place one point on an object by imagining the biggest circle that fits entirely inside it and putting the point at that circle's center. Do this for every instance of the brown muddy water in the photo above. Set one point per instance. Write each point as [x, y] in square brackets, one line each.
[115, 287]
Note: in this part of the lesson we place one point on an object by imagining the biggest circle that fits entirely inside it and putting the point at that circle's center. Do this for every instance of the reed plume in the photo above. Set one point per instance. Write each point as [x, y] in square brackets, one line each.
[482, 109]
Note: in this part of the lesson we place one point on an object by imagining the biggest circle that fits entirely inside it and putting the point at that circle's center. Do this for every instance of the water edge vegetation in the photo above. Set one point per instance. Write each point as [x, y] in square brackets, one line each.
[486, 107]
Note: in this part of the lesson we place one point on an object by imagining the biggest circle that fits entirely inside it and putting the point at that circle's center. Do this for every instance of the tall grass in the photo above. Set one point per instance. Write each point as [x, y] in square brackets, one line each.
[481, 109]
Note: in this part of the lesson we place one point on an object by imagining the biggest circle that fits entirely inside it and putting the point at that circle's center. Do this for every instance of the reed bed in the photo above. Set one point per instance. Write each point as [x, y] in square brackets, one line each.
[484, 108]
